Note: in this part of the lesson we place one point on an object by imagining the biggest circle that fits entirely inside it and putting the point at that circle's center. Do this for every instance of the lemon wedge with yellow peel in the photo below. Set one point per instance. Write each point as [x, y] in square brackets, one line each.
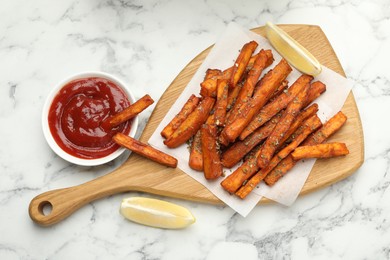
[156, 213]
[292, 51]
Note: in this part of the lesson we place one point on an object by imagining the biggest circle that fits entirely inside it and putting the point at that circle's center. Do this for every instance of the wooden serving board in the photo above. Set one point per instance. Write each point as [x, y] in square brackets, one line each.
[140, 174]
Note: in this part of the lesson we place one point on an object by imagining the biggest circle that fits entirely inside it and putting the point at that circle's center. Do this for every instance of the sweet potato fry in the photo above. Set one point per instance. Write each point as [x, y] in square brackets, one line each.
[275, 106]
[252, 61]
[310, 125]
[191, 124]
[212, 166]
[211, 122]
[250, 185]
[188, 107]
[242, 61]
[235, 180]
[297, 124]
[315, 90]
[196, 155]
[269, 83]
[320, 151]
[263, 60]
[232, 97]
[130, 112]
[282, 88]
[145, 150]
[208, 88]
[272, 80]
[209, 85]
[240, 148]
[273, 141]
[327, 130]
[212, 73]
[222, 141]
[226, 74]
[252, 153]
[233, 92]
[280, 170]
[221, 103]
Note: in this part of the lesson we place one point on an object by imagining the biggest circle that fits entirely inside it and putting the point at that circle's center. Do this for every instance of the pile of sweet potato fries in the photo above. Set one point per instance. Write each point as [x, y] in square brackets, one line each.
[262, 121]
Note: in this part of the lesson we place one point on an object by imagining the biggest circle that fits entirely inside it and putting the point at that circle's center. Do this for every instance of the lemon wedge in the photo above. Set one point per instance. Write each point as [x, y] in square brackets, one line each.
[292, 51]
[156, 213]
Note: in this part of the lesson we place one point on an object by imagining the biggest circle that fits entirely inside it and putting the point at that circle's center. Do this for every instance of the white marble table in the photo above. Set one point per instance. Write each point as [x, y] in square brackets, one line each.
[147, 44]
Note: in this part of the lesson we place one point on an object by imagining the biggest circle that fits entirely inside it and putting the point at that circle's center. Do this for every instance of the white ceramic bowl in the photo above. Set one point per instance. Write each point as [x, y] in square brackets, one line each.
[45, 123]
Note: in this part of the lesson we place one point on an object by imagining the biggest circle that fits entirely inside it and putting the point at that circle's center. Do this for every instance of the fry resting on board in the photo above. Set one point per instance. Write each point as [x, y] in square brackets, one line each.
[145, 150]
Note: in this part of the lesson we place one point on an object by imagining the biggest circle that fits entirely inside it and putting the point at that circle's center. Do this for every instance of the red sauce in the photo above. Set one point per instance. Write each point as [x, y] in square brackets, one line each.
[77, 112]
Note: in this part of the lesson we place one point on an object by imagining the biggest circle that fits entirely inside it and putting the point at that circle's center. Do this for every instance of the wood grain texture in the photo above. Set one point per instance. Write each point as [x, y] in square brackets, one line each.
[140, 174]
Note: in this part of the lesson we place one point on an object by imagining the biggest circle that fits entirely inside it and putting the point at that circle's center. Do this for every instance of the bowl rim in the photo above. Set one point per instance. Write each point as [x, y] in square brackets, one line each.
[45, 123]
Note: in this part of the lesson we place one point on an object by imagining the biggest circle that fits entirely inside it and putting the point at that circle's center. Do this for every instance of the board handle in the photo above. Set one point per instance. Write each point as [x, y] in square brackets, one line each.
[63, 202]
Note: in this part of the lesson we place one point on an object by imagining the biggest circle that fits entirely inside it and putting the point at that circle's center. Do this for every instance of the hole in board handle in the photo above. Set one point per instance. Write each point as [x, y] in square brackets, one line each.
[45, 208]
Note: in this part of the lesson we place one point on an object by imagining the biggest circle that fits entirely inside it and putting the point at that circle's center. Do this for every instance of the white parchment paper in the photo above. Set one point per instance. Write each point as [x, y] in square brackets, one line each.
[222, 56]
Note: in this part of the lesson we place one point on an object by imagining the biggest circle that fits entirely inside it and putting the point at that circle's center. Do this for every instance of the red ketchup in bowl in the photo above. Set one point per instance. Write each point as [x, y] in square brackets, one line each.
[78, 111]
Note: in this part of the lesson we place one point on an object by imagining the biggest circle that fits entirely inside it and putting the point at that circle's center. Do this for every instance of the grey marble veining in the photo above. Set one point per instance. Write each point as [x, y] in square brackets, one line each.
[146, 44]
